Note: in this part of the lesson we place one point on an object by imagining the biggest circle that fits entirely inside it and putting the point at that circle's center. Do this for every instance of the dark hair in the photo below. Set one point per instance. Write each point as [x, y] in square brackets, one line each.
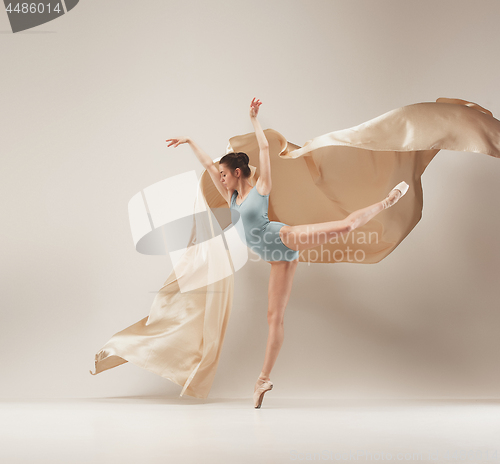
[237, 160]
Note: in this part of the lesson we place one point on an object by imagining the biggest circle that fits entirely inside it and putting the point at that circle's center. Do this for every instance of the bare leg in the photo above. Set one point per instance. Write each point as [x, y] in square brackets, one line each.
[362, 216]
[280, 286]
[304, 236]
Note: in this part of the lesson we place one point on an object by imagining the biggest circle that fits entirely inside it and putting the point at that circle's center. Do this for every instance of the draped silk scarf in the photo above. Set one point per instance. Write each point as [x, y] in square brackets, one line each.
[325, 180]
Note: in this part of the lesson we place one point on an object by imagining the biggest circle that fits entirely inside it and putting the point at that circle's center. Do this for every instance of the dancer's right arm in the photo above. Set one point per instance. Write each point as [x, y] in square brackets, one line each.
[206, 162]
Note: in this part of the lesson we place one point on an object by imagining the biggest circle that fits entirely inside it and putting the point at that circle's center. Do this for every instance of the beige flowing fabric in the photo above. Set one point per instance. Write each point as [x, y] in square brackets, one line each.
[325, 180]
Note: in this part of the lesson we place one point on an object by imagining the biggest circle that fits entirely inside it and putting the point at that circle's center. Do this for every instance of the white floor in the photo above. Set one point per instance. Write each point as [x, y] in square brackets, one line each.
[187, 430]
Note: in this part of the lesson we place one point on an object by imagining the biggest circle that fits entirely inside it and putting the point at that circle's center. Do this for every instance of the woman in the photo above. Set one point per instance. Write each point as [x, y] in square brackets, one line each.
[275, 242]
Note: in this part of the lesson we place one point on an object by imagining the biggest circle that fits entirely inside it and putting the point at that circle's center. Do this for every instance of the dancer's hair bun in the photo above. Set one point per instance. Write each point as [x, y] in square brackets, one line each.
[237, 160]
[244, 157]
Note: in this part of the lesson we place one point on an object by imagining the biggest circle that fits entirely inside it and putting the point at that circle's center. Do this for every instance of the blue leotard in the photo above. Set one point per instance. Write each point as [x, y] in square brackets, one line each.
[261, 235]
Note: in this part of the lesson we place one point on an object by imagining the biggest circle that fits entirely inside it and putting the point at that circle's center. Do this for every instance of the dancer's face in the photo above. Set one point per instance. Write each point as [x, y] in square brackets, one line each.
[227, 177]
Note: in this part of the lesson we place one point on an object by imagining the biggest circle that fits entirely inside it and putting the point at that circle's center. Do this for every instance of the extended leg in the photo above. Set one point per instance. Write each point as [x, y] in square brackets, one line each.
[304, 236]
[362, 216]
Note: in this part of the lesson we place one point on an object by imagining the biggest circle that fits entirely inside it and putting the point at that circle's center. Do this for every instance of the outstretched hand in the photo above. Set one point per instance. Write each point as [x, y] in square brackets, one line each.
[254, 107]
[177, 141]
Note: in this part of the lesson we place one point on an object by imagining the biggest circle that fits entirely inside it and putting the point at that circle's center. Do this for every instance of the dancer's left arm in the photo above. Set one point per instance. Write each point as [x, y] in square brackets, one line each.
[264, 161]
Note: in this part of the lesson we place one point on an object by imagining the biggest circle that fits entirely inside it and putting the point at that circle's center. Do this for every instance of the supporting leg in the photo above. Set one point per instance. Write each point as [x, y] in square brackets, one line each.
[280, 286]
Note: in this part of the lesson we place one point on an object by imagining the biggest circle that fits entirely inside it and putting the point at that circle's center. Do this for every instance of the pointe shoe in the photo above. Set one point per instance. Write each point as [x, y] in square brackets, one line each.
[401, 187]
[258, 394]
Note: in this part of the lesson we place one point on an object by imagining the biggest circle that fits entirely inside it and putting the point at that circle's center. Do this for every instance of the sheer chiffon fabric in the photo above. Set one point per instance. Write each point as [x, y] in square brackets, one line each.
[325, 180]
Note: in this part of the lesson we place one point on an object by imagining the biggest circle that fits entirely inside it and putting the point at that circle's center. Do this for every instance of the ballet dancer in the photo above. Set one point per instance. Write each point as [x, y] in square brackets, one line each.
[275, 242]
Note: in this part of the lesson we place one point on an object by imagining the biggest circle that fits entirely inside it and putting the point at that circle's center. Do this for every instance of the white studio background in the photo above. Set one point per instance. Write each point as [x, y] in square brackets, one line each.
[87, 102]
